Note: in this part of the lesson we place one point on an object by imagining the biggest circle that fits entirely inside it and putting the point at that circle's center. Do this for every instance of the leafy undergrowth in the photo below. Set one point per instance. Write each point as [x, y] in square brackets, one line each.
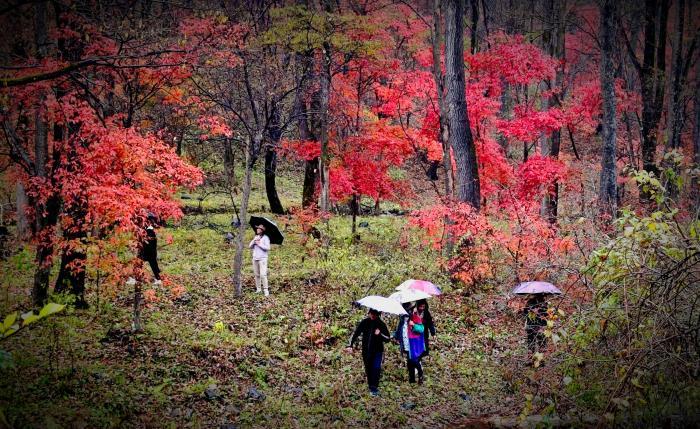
[208, 357]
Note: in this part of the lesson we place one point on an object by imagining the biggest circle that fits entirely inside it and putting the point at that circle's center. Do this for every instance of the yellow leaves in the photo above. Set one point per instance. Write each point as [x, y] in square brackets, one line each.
[11, 325]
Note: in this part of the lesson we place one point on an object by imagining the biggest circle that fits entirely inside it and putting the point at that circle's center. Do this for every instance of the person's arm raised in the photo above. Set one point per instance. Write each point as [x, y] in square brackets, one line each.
[264, 243]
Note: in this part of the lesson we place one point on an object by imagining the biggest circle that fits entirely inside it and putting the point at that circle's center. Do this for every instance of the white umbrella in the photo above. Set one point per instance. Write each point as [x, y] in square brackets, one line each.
[383, 304]
[409, 295]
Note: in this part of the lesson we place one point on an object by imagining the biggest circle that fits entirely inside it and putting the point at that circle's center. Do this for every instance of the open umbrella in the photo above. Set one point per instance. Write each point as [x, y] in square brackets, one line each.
[383, 304]
[420, 285]
[409, 295]
[532, 288]
[271, 228]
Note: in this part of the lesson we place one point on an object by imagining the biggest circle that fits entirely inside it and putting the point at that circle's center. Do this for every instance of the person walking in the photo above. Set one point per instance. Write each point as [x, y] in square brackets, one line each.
[412, 334]
[374, 334]
[261, 247]
[148, 247]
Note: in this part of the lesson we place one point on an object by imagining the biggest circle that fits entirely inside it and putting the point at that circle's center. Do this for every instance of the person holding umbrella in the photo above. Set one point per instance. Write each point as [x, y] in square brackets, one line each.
[412, 334]
[535, 311]
[260, 246]
[374, 334]
[535, 321]
[266, 233]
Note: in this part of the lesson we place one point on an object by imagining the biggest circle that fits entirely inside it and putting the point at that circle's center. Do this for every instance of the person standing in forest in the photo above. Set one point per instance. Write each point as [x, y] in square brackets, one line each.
[148, 247]
[374, 334]
[535, 321]
[261, 247]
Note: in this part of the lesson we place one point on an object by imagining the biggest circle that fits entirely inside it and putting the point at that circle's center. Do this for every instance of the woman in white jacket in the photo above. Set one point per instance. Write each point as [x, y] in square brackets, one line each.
[261, 246]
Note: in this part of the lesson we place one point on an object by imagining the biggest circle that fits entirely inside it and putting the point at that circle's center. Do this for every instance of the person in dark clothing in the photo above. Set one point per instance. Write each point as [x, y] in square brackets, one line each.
[414, 342]
[374, 334]
[535, 321]
[148, 247]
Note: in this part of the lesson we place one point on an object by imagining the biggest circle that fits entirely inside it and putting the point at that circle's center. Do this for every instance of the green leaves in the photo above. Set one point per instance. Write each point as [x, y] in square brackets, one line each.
[51, 308]
[11, 325]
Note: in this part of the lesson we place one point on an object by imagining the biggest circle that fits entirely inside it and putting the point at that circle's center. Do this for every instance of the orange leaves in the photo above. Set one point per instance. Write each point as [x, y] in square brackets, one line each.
[513, 234]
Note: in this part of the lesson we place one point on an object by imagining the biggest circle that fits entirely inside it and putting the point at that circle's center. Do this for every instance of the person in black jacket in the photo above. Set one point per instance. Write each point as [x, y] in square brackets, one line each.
[535, 321]
[148, 247]
[374, 334]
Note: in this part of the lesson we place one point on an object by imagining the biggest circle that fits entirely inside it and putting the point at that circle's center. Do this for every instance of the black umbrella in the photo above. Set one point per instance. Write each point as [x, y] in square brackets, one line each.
[271, 229]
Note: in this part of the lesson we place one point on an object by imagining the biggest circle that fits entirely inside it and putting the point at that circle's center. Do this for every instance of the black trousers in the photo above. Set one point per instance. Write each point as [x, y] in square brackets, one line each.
[535, 338]
[414, 365]
[153, 262]
[373, 370]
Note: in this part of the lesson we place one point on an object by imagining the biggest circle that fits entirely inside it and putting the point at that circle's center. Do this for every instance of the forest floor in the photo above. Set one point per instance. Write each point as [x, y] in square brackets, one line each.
[271, 362]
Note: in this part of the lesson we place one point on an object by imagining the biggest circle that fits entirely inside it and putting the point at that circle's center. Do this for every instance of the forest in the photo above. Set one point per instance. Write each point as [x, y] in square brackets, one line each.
[264, 213]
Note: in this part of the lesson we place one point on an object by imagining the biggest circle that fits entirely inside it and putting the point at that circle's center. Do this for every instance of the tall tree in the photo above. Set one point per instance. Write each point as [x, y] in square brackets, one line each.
[607, 198]
[554, 38]
[675, 112]
[45, 223]
[652, 73]
[459, 133]
[274, 135]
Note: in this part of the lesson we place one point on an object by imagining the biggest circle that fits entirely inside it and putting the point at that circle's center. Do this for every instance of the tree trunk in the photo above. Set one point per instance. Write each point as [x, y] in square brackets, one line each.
[136, 325]
[271, 163]
[270, 185]
[556, 49]
[442, 116]
[440, 89]
[354, 208]
[675, 112]
[607, 199]
[695, 183]
[460, 135]
[652, 78]
[474, 45]
[243, 211]
[505, 112]
[324, 94]
[302, 115]
[46, 215]
[21, 200]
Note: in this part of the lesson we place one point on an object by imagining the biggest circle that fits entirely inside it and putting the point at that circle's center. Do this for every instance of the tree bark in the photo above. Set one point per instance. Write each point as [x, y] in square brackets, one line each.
[556, 49]
[607, 198]
[460, 135]
[695, 183]
[652, 77]
[474, 44]
[442, 113]
[270, 185]
[21, 201]
[46, 215]
[324, 94]
[271, 163]
[442, 116]
[302, 115]
[251, 144]
[675, 112]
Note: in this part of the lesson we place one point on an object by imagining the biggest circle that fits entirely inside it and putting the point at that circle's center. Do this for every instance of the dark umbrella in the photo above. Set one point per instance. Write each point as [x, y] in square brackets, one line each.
[533, 288]
[271, 229]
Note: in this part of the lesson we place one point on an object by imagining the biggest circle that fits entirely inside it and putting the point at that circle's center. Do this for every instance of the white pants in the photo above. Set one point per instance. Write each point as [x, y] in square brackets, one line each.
[260, 271]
